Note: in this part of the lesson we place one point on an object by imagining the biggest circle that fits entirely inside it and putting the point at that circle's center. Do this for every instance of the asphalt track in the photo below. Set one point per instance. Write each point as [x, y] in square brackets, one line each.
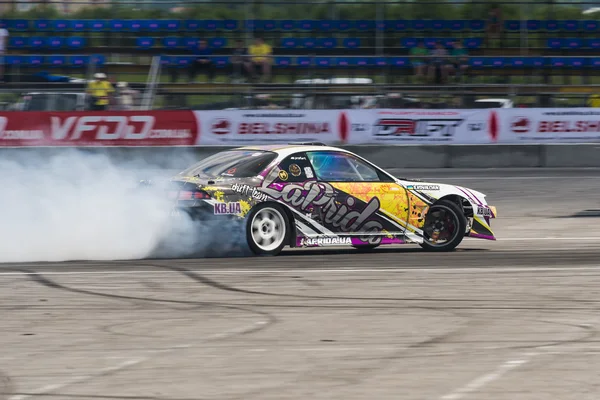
[513, 319]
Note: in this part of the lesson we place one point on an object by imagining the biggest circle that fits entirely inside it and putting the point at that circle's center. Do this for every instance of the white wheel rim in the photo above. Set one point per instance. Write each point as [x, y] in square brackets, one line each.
[268, 229]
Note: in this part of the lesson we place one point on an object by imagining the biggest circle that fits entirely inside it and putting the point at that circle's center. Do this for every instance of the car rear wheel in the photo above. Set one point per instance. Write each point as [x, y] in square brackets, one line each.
[267, 230]
[444, 227]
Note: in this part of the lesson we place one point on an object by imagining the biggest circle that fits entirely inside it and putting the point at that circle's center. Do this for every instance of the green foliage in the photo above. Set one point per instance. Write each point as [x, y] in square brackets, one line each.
[326, 9]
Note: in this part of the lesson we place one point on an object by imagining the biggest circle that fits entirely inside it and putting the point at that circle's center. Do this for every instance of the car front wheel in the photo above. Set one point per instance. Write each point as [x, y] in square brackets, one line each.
[267, 230]
[444, 227]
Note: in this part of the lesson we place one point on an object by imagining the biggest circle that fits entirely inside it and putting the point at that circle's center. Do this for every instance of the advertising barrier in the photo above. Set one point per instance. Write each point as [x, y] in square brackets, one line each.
[336, 127]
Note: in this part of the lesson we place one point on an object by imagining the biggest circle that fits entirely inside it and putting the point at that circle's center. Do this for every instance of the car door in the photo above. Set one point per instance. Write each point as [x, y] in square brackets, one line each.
[367, 202]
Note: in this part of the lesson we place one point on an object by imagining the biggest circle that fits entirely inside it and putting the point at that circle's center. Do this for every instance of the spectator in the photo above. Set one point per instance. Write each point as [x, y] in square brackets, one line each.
[419, 59]
[439, 63]
[127, 96]
[460, 60]
[100, 90]
[240, 61]
[261, 53]
[203, 62]
[494, 23]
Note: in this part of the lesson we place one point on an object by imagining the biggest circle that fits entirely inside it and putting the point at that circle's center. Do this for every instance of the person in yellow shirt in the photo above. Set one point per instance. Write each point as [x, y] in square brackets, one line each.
[594, 101]
[100, 90]
[260, 56]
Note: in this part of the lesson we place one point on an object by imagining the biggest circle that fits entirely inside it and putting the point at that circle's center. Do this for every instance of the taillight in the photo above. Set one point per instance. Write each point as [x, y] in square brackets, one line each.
[188, 195]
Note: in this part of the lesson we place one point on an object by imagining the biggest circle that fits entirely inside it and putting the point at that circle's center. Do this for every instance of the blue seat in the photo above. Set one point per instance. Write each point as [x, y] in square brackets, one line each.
[536, 62]
[516, 62]
[430, 43]
[97, 59]
[555, 43]
[558, 62]
[351, 43]
[283, 61]
[230, 25]
[18, 25]
[327, 43]
[365, 25]
[152, 25]
[476, 25]
[473, 43]
[79, 25]
[448, 42]
[534, 25]
[14, 60]
[551, 25]
[590, 26]
[211, 25]
[62, 25]
[117, 25]
[477, 62]
[420, 25]
[190, 43]
[269, 25]
[307, 25]
[570, 25]
[134, 25]
[323, 62]
[171, 25]
[171, 42]
[342, 62]
[304, 61]
[595, 62]
[576, 62]
[498, 62]
[361, 61]
[97, 25]
[57, 61]
[382, 26]
[55, 42]
[593, 43]
[325, 25]
[287, 25]
[309, 43]
[512, 25]
[380, 62]
[78, 60]
[253, 25]
[457, 25]
[439, 25]
[183, 61]
[221, 61]
[409, 43]
[36, 42]
[144, 42]
[192, 25]
[42, 25]
[217, 43]
[167, 60]
[289, 43]
[343, 25]
[398, 25]
[34, 61]
[573, 43]
[17, 42]
[400, 62]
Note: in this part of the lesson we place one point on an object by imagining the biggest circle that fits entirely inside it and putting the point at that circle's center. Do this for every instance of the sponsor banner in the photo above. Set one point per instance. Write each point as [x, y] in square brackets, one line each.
[247, 127]
[549, 125]
[426, 126]
[118, 128]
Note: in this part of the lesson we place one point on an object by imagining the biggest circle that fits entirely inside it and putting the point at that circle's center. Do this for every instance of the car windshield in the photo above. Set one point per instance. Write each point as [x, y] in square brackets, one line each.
[233, 163]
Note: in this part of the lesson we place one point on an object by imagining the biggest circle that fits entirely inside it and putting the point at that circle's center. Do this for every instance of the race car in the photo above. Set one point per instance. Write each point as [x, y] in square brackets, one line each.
[312, 195]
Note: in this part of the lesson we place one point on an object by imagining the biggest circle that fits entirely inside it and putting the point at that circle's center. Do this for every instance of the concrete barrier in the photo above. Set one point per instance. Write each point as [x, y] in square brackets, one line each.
[393, 156]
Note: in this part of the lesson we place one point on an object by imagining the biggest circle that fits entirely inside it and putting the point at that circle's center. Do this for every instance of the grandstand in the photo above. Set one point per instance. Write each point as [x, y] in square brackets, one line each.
[528, 51]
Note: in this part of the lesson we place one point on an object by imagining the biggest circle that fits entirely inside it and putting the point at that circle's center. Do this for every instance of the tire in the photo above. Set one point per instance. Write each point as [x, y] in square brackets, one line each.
[367, 247]
[450, 217]
[267, 230]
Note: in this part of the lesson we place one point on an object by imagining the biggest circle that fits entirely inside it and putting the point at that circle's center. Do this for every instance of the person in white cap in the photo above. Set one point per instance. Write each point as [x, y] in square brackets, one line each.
[100, 89]
[126, 96]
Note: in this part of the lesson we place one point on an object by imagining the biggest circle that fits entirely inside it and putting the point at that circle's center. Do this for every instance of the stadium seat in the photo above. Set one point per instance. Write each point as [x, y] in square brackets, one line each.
[307, 25]
[55, 42]
[398, 25]
[17, 42]
[365, 25]
[473, 43]
[409, 43]
[217, 43]
[57, 61]
[343, 25]
[591, 26]
[230, 25]
[309, 43]
[190, 43]
[476, 25]
[570, 25]
[269, 25]
[304, 61]
[400, 62]
[42, 25]
[152, 25]
[221, 62]
[171, 42]
[351, 43]
[133, 25]
[78, 26]
[380, 62]
[97, 25]
[593, 44]
[342, 62]
[183, 62]
[551, 25]
[419, 25]
[36, 42]
[211, 25]
[18, 25]
[573, 43]
[323, 62]
[78, 61]
[325, 25]
[144, 42]
[288, 25]
[117, 25]
[172, 25]
[554, 43]
[439, 25]
[576, 62]
[34, 60]
[289, 43]
[327, 43]
[14, 60]
[61, 25]
[595, 62]
[512, 26]
[534, 25]
[283, 61]
[558, 62]
[192, 25]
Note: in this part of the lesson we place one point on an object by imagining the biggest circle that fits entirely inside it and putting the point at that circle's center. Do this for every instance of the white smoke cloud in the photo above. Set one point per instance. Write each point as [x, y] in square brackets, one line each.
[80, 206]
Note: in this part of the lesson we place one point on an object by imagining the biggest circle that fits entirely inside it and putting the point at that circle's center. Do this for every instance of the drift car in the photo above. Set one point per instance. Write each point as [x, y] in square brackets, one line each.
[308, 195]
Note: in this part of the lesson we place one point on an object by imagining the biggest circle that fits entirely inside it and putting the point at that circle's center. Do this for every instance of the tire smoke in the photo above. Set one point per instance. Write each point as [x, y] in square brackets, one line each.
[79, 206]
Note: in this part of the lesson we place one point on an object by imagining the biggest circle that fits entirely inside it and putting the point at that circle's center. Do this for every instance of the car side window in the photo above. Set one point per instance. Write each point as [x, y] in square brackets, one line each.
[296, 168]
[342, 167]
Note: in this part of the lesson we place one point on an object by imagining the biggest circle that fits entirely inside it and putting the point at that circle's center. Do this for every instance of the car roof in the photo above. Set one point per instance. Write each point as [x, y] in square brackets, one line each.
[285, 150]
